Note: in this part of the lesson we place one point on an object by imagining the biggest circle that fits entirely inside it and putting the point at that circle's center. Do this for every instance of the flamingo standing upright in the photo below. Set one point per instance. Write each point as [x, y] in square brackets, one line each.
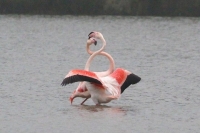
[102, 89]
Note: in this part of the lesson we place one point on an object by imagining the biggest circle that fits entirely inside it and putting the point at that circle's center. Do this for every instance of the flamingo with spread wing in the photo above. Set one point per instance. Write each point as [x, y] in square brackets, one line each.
[81, 90]
[102, 89]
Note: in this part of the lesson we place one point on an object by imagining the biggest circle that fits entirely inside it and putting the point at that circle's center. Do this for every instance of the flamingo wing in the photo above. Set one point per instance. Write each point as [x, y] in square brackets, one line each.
[77, 75]
[131, 79]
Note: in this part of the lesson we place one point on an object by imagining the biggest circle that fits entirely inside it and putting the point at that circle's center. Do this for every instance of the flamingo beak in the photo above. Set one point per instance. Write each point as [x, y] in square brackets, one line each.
[89, 35]
[95, 42]
[71, 99]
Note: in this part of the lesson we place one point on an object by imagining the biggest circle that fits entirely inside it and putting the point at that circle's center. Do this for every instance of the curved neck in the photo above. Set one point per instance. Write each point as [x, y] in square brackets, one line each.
[87, 65]
[88, 49]
[111, 60]
[111, 66]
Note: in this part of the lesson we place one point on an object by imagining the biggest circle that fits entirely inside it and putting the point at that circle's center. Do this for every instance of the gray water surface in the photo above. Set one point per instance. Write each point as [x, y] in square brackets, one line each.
[36, 52]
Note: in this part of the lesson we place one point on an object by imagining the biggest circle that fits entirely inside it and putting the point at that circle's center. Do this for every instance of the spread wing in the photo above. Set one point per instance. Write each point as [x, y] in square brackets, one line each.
[77, 75]
[131, 79]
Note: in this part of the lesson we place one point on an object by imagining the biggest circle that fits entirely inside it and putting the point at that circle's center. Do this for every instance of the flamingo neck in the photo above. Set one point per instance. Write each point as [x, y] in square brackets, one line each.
[95, 53]
[111, 60]
[111, 66]
[88, 49]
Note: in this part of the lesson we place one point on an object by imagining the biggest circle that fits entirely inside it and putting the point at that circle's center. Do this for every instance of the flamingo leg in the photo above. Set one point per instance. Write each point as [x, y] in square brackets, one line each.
[84, 101]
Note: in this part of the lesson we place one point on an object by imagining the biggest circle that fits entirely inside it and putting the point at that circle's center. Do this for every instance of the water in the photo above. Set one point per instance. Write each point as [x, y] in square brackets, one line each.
[38, 51]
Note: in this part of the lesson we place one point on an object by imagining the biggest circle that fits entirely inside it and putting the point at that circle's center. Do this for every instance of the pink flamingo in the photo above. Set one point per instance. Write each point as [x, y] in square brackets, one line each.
[81, 90]
[102, 89]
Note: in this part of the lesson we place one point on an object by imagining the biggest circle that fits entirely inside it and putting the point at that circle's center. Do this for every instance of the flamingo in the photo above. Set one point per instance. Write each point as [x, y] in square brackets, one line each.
[102, 89]
[81, 90]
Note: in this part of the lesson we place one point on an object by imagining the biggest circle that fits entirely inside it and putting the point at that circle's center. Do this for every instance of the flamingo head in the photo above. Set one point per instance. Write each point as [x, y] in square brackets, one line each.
[72, 97]
[91, 41]
[95, 34]
[81, 91]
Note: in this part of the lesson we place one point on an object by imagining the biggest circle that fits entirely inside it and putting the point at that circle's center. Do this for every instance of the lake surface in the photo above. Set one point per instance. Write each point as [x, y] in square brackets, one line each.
[36, 52]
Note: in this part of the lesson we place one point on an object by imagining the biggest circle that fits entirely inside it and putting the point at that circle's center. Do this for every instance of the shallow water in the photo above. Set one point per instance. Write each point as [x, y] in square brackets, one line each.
[38, 51]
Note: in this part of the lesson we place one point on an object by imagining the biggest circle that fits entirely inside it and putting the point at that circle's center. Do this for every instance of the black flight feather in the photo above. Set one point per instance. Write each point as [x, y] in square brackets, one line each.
[79, 78]
[131, 79]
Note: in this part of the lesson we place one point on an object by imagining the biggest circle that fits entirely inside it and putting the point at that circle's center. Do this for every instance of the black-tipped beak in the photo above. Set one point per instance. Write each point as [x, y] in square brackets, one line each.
[90, 34]
[95, 42]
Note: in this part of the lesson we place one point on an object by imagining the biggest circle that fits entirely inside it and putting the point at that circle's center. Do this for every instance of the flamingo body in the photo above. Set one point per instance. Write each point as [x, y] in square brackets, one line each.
[81, 89]
[101, 89]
